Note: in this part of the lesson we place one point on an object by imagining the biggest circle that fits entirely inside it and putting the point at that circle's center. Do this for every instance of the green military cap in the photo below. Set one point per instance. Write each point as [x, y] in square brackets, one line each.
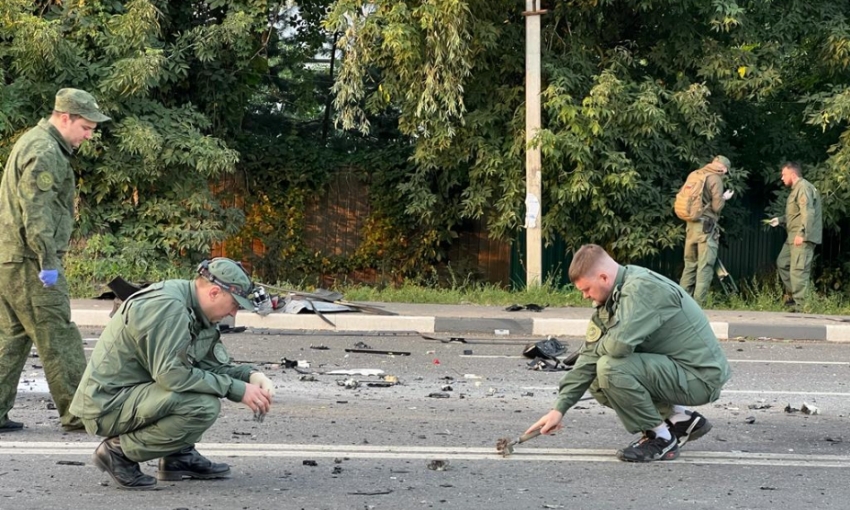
[725, 161]
[79, 102]
[230, 276]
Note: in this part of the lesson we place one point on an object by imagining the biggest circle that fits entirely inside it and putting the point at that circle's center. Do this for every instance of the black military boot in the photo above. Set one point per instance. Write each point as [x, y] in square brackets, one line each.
[109, 457]
[188, 463]
[11, 425]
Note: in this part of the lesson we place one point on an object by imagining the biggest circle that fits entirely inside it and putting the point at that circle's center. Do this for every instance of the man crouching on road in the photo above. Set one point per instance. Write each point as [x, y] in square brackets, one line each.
[649, 350]
[153, 384]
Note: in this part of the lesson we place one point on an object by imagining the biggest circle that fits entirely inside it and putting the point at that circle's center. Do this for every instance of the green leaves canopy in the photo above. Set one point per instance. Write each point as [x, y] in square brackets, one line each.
[637, 93]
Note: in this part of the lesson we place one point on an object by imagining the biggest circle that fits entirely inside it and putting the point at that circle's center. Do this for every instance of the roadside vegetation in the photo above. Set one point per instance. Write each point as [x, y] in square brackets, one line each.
[229, 118]
[89, 271]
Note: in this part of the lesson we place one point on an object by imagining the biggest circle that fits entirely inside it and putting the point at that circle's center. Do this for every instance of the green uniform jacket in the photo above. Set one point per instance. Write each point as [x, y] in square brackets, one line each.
[803, 213]
[159, 335]
[646, 313]
[37, 198]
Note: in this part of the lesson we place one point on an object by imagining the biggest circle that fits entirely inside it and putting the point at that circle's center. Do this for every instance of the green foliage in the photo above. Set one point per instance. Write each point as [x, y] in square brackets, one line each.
[91, 266]
[636, 94]
[174, 77]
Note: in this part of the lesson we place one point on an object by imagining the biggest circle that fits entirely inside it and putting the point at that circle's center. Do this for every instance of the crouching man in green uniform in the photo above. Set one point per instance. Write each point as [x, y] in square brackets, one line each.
[153, 384]
[649, 351]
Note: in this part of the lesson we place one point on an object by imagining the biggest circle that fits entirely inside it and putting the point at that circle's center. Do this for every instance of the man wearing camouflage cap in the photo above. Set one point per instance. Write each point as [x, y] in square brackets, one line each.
[702, 235]
[36, 218]
[157, 374]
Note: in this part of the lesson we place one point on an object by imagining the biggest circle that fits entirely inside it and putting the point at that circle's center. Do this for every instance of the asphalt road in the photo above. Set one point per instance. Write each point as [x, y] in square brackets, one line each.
[377, 447]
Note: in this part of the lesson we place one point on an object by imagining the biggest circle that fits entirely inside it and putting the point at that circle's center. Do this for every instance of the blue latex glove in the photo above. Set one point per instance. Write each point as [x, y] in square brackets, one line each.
[48, 277]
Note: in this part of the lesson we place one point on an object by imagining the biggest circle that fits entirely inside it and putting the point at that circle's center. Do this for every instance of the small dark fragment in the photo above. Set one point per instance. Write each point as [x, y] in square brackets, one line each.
[759, 406]
[361, 345]
[467, 352]
[833, 440]
[288, 363]
[789, 409]
[531, 307]
[380, 384]
[446, 387]
[438, 465]
[372, 493]
[514, 308]
[376, 351]
[241, 433]
[438, 395]
[750, 419]
[766, 488]
[70, 463]
[309, 463]
[319, 347]
[336, 470]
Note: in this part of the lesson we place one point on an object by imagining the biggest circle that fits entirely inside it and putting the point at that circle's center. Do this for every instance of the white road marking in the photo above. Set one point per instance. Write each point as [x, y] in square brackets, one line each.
[527, 454]
[737, 392]
[789, 362]
[766, 361]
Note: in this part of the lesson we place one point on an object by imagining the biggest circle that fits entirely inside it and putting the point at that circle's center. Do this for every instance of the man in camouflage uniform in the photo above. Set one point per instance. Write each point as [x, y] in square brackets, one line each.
[648, 351]
[702, 235]
[803, 222]
[157, 374]
[36, 219]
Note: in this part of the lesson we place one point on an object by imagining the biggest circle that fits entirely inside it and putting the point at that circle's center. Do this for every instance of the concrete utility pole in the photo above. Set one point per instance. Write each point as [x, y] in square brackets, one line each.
[533, 186]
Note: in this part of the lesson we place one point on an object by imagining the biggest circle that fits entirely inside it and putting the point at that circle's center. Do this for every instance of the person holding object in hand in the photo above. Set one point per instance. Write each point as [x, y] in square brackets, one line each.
[702, 234]
[803, 222]
[36, 218]
[649, 351]
[157, 375]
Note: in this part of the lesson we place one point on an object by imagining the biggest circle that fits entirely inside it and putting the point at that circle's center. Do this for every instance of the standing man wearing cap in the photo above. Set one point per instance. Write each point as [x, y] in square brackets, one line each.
[36, 218]
[702, 234]
[156, 376]
[803, 222]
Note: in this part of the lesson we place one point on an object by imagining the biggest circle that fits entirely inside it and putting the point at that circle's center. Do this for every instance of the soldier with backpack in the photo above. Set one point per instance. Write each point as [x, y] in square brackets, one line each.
[699, 203]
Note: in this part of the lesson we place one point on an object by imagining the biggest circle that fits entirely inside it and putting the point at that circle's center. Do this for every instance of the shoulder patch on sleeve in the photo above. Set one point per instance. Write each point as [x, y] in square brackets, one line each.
[44, 181]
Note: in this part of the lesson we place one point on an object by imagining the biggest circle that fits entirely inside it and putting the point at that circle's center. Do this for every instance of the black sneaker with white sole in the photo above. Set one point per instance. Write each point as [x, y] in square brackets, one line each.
[649, 448]
[691, 429]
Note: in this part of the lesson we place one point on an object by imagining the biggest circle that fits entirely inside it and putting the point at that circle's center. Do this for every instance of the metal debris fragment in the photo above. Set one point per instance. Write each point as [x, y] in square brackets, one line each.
[438, 465]
[809, 409]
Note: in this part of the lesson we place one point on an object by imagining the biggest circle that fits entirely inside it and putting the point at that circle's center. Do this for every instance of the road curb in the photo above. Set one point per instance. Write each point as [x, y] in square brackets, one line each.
[484, 325]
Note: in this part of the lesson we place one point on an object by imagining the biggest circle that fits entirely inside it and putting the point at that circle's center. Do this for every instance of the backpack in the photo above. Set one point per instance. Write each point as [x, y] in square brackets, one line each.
[689, 206]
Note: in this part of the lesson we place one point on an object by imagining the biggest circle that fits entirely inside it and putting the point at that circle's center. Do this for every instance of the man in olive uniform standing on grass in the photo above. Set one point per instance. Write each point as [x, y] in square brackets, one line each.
[703, 234]
[803, 222]
[36, 218]
[157, 374]
[649, 351]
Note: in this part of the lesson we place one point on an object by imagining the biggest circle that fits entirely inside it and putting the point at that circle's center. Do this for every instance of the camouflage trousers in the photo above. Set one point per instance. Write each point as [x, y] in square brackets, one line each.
[700, 255]
[154, 422]
[642, 388]
[32, 313]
